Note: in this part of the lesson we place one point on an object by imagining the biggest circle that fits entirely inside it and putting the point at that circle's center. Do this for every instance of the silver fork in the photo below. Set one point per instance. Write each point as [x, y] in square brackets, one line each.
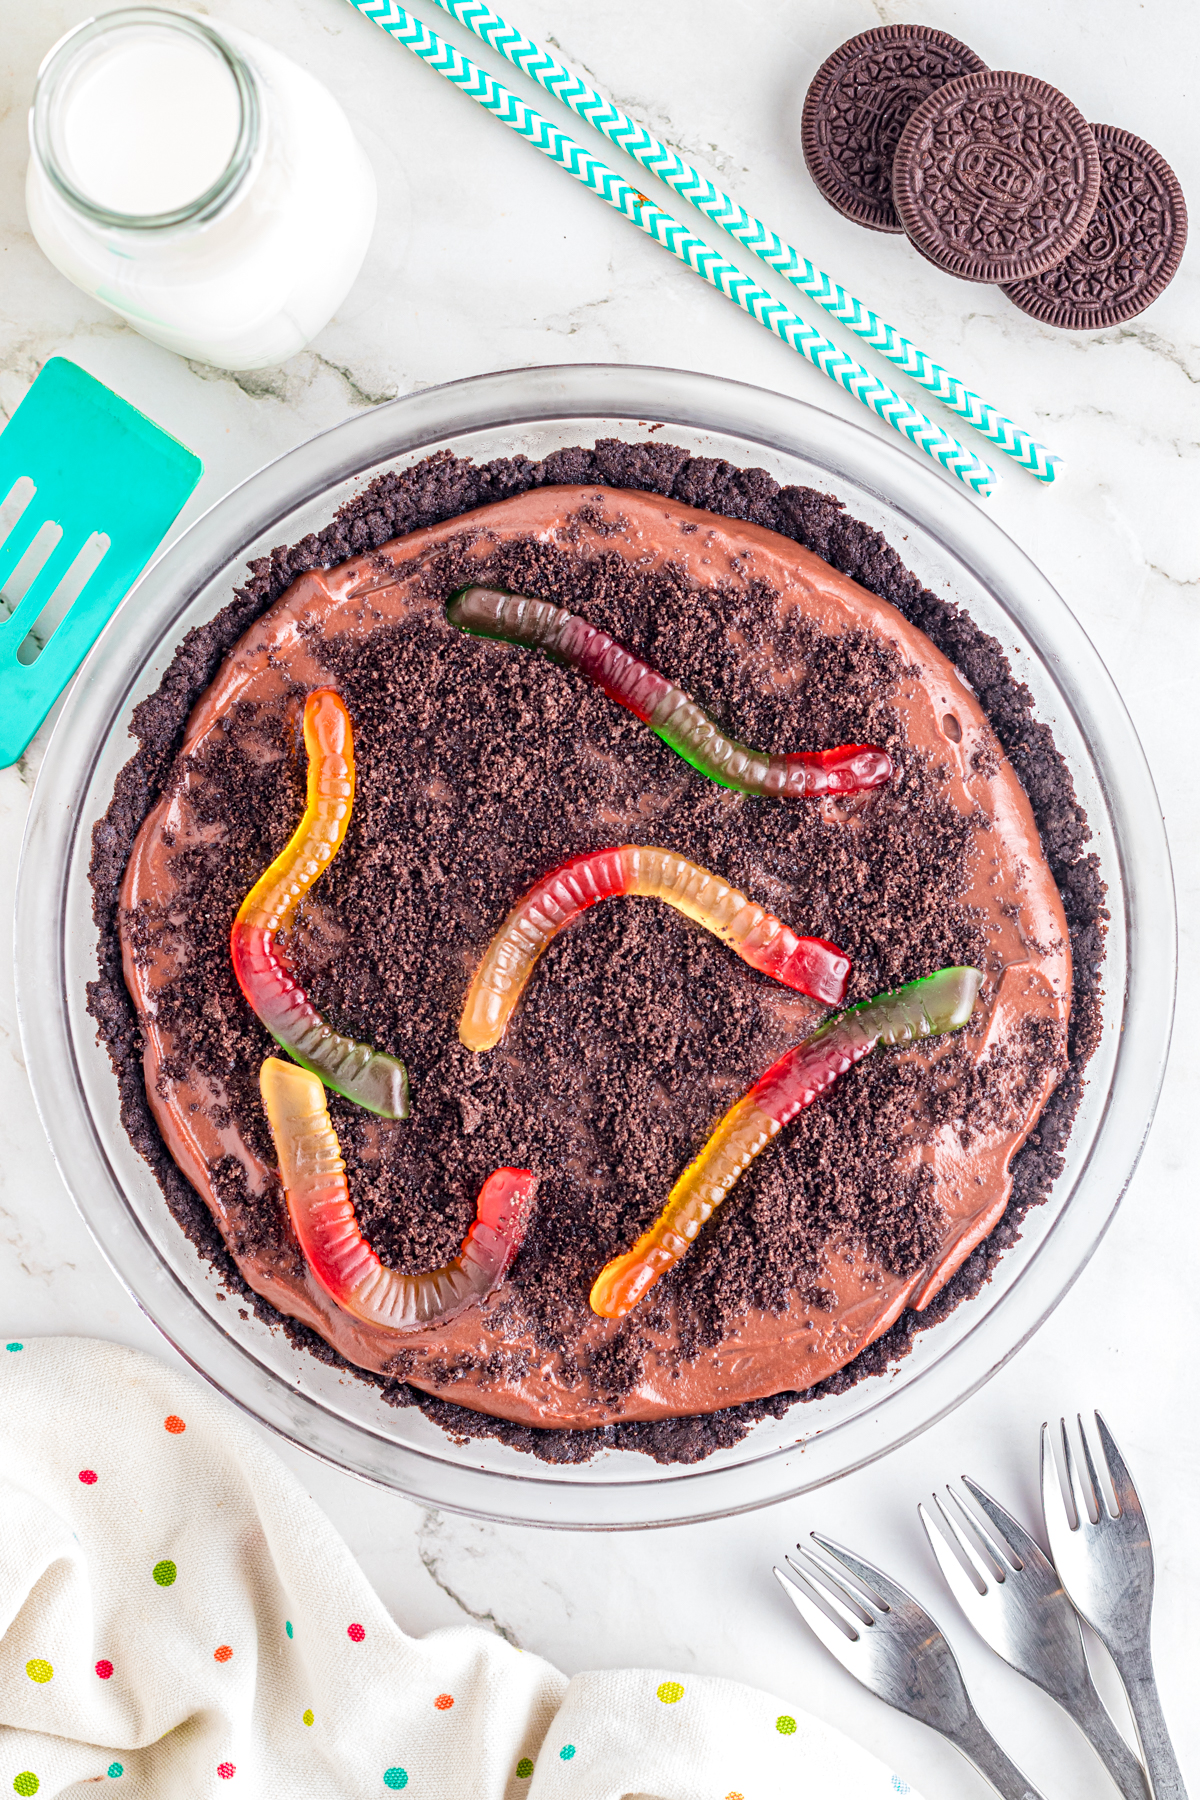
[1107, 1567]
[889, 1643]
[1017, 1604]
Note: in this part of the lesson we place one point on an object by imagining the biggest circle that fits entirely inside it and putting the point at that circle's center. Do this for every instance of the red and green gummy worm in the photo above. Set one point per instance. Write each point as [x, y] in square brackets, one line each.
[670, 713]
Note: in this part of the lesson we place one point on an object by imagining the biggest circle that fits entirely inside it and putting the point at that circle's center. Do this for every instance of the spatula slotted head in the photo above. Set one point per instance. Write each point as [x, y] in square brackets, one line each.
[112, 482]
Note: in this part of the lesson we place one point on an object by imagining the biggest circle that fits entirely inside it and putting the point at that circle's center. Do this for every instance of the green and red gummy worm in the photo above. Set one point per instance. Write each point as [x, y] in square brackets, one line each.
[670, 713]
[368, 1077]
[939, 1003]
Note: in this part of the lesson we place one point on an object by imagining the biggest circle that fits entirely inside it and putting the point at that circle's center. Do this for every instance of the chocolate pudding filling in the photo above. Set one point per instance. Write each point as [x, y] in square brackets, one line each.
[480, 768]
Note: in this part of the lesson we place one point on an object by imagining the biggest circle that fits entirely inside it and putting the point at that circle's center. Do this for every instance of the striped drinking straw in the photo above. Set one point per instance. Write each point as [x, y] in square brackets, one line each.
[767, 245]
[725, 276]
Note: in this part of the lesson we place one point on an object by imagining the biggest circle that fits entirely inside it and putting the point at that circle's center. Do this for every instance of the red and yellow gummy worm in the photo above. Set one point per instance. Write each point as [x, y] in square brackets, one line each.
[318, 1200]
[810, 965]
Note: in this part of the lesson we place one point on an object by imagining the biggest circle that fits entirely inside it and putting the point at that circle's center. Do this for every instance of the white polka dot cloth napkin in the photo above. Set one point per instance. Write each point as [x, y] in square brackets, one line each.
[178, 1619]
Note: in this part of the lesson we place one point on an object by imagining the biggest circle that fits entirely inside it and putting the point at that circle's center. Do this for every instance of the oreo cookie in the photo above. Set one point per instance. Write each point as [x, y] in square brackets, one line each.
[1128, 253]
[996, 177]
[857, 106]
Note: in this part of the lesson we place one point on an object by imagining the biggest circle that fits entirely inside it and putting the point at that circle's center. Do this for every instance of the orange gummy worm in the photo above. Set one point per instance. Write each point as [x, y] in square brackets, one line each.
[369, 1077]
[809, 965]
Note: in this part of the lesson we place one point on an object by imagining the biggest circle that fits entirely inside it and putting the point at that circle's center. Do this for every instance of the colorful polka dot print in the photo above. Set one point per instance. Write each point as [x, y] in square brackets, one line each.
[203, 1572]
[32, 1790]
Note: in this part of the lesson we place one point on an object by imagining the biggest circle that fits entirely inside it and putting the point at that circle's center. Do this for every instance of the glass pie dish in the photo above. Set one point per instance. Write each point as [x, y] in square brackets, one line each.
[947, 540]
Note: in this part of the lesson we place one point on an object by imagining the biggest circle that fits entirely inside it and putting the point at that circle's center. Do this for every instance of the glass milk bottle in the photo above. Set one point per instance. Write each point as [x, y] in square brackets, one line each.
[199, 183]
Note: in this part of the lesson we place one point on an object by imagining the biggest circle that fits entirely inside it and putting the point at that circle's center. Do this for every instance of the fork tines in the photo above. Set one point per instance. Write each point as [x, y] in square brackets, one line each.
[887, 1640]
[822, 1602]
[985, 1559]
[877, 1631]
[1083, 1493]
[831, 1592]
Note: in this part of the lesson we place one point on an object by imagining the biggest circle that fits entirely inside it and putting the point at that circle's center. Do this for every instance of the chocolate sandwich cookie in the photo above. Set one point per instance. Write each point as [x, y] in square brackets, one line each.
[996, 177]
[859, 102]
[1130, 250]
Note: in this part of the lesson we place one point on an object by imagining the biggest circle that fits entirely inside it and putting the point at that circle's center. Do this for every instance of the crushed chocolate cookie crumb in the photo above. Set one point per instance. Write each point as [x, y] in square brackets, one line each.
[479, 768]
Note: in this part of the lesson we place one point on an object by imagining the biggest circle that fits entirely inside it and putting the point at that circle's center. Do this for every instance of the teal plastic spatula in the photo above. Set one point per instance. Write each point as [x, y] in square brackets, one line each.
[77, 461]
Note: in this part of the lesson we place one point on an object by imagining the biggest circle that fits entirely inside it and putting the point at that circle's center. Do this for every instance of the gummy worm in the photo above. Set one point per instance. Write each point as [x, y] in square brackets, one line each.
[670, 713]
[367, 1076]
[939, 1003]
[808, 964]
[318, 1200]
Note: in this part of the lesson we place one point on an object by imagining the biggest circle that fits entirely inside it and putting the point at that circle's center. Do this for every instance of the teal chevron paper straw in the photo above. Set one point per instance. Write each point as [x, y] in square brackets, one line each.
[658, 224]
[628, 135]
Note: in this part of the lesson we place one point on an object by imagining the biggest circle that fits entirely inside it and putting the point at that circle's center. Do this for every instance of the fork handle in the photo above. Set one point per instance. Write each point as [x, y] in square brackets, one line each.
[978, 1745]
[1137, 1674]
[1093, 1719]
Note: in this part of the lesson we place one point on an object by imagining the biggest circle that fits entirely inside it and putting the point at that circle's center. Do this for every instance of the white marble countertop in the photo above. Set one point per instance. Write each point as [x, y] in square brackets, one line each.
[486, 258]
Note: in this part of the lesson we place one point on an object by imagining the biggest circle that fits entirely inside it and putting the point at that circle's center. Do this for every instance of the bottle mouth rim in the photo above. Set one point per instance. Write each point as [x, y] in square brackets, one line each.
[64, 56]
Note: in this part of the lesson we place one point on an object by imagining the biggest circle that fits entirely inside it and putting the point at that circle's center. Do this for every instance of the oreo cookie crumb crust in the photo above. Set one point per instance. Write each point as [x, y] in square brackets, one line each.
[996, 176]
[608, 960]
[857, 106]
[1130, 250]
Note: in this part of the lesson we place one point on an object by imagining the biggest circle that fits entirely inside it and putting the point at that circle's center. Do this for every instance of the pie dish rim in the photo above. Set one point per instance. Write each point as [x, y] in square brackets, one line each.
[514, 411]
